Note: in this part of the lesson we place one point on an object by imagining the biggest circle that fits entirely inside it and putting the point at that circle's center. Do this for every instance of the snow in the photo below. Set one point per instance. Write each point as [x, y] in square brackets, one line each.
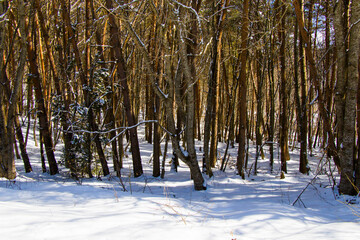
[39, 206]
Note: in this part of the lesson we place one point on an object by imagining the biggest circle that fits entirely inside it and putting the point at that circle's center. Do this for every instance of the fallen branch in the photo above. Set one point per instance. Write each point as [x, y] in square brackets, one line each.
[310, 183]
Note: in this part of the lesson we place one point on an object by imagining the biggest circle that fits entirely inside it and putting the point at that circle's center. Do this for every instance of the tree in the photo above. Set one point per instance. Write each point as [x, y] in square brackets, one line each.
[284, 127]
[115, 41]
[347, 42]
[42, 111]
[324, 114]
[7, 112]
[212, 107]
[242, 90]
[188, 156]
[301, 97]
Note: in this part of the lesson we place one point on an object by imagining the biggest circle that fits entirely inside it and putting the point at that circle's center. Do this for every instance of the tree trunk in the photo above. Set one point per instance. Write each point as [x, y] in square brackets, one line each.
[347, 143]
[40, 100]
[83, 79]
[88, 96]
[122, 76]
[357, 163]
[8, 111]
[272, 102]
[187, 156]
[314, 78]
[341, 26]
[301, 103]
[283, 87]
[68, 146]
[23, 151]
[242, 90]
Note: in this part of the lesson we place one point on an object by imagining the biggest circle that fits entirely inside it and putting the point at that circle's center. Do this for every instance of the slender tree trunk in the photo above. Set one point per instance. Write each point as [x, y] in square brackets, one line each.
[311, 111]
[302, 109]
[314, 78]
[88, 95]
[122, 75]
[187, 156]
[272, 103]
[259, 109]
[283, 87]
[242, 90]
[8, 110]
[40, 99]
[192, 50]
[18, 131]
[69, 155]
[296, 84]
[212, 115]
[109, 114]
[23, 151]
[83, 79]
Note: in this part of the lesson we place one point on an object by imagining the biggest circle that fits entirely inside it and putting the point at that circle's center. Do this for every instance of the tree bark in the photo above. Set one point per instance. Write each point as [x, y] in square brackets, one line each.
[314, 78]
[211, 114]
[122, 75]
[187, 156]
[69, 155]
[301, 102]
[40, 100]
[242, 79]
[284, 149]
[347, 142]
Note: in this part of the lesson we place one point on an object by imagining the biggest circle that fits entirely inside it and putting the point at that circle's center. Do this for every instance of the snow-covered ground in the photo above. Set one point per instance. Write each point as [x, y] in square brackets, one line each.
[40, 206]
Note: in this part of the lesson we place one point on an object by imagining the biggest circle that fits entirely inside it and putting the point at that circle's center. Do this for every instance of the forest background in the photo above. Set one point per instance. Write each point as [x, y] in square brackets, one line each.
[281, 73]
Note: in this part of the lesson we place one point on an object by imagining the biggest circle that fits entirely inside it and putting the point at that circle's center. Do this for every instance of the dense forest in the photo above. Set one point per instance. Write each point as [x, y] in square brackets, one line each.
[88, 73]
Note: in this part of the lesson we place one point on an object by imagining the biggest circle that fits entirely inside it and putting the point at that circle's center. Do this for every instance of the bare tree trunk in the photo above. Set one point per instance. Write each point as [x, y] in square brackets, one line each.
[302, 109]
[88, 96]
[122, 75]
[83, 79]
[272, 102]
[242, 91]
[109, 114]
[18, 131]
[357, 162]
[212, 115]
[347, 141]
[283, 87]
[41, 108]
[69, 155]
[8, 111]
[310, 119]
[23, 151]
[192, 50]
[314, 78]
[7, 90]
[341, 26]
[187, 156]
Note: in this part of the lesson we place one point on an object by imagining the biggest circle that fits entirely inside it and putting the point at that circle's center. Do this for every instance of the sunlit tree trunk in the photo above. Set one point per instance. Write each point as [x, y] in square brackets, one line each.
[69, 155]
[7, 161]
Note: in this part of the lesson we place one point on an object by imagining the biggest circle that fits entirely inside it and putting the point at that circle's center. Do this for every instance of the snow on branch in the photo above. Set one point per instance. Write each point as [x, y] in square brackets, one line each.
[124, 129]
[192, 10]
[148, 59]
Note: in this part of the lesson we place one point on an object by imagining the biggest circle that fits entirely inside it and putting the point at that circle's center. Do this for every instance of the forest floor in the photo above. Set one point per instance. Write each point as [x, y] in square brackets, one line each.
[39, 206]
